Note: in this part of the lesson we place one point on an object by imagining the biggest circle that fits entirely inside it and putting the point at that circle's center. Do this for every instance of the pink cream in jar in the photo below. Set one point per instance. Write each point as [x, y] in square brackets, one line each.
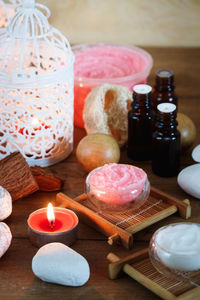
[96, 64]
[117, 186]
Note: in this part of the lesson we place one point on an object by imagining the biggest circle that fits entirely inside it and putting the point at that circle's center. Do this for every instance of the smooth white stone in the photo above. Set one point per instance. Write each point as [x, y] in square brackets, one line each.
[5, 204]
[57, 263]
[5, 238]
[196, 153]
[189, 180]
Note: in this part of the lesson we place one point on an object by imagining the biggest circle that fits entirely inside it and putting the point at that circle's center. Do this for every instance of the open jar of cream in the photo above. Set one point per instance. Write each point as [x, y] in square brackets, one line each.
[96, 64]
[175, 249]
[117, 187]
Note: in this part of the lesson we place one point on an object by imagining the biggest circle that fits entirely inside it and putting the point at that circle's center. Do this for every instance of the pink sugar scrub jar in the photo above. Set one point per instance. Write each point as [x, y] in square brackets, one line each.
[117, 187]
[96, 64]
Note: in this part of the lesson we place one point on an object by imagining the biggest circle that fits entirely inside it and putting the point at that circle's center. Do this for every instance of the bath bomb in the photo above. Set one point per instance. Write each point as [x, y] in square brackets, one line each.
[196, 153]
[5, 204]
[188, 180]
[57, 263]
[5, 238]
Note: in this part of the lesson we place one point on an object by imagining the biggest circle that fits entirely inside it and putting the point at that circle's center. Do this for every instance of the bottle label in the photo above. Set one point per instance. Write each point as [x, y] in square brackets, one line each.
[142, 89]
[166, 107]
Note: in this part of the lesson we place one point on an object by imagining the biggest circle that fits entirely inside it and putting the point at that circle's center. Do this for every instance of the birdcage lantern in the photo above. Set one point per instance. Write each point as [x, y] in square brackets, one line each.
[7, 10]
[36, 88]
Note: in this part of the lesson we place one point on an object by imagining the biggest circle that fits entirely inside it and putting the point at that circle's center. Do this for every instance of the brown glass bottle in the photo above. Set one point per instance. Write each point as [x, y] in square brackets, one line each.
[140, 124]
[166, 142]
[164, 88]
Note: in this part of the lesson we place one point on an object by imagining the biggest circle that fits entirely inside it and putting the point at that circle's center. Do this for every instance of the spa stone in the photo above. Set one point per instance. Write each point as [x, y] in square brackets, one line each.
[5, 204]
[188, 180]
[57, 263]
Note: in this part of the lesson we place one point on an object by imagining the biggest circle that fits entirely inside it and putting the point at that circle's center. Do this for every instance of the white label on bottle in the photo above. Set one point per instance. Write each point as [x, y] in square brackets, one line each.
[166, 107]
[142, 88]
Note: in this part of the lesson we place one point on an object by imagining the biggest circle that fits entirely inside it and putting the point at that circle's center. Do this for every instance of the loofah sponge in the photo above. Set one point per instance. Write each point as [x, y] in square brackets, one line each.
[106, 109]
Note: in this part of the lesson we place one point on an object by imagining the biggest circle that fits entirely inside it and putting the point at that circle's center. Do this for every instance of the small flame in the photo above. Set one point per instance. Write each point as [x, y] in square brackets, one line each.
[35, 121]
[50, 215]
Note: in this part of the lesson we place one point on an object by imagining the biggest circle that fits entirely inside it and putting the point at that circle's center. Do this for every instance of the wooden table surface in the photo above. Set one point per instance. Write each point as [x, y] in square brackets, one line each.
[17, 280]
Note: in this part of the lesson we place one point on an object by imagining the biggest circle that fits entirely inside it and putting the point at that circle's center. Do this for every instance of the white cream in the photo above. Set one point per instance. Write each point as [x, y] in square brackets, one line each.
[178, 246]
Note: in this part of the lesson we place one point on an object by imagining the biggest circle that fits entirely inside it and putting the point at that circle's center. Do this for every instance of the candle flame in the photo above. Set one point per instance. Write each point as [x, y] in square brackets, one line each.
[35, 121]
[50, 215]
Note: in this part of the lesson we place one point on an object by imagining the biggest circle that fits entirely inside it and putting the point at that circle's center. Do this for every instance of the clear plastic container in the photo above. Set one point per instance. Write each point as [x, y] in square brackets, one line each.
[119, 199]
[96, 64]
[174, 251]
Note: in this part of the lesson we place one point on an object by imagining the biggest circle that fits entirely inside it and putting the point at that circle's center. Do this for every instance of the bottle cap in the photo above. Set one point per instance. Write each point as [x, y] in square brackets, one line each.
[166, 107]
[164, 73]
[142, 89]
[164, 78]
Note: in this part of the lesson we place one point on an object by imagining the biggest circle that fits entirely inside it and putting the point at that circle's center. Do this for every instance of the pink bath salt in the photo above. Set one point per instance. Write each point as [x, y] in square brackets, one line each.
[117, 183]
[104, 63]
[107, 61]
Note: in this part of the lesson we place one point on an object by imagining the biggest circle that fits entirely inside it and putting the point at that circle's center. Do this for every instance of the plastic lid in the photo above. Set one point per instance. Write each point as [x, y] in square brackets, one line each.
[142, 89]
[166, 107]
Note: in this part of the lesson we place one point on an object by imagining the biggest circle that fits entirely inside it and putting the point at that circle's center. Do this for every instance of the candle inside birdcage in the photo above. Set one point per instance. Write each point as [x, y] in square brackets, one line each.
[36, 88]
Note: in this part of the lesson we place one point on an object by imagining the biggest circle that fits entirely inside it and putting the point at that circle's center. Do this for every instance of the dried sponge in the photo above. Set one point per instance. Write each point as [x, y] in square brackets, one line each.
[106, 109]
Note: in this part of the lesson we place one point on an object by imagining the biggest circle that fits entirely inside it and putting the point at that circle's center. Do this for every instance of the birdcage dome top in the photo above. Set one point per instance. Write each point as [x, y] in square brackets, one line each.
[31, 50]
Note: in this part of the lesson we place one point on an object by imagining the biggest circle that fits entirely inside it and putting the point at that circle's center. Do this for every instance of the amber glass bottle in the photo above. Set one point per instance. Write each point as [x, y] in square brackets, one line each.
[164, 89]
[140, 124]
[166, 142]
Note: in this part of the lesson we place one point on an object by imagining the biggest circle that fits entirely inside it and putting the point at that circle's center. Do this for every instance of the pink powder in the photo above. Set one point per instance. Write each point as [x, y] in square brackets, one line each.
[117, 183]
[101, 63]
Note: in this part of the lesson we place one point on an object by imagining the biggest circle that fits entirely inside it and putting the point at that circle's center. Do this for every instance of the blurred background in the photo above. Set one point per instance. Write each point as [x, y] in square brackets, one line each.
[137, 22]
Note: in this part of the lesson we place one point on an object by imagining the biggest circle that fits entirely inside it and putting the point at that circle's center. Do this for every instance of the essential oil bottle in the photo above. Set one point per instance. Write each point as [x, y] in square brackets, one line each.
[164, 89]
[140, 124]
[166, 141]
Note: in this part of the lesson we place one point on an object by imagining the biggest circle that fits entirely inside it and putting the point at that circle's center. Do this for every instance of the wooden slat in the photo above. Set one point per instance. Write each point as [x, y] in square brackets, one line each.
[183, 206]
[153, 219]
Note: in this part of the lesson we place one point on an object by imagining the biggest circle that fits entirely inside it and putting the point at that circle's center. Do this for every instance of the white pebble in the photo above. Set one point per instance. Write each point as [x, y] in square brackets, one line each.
[5, 204]
[189, 180]
[58, 263]
[196, 153]
[5, 238]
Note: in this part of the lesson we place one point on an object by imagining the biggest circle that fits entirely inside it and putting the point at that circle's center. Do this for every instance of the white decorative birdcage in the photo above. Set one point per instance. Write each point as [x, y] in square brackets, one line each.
[36, 88]
[7, 10]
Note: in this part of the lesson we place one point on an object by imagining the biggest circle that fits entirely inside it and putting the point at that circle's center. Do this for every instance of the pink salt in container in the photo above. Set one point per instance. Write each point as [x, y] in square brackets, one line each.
[96, 64]
[115, 187]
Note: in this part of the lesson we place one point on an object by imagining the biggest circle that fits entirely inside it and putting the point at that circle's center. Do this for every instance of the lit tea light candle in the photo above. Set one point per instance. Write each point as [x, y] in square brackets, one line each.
[178, 246]
[47, 225]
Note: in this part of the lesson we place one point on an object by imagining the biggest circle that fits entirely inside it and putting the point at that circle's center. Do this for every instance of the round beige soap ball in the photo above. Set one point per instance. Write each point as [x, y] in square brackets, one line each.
[187, 130]
[97, 149]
